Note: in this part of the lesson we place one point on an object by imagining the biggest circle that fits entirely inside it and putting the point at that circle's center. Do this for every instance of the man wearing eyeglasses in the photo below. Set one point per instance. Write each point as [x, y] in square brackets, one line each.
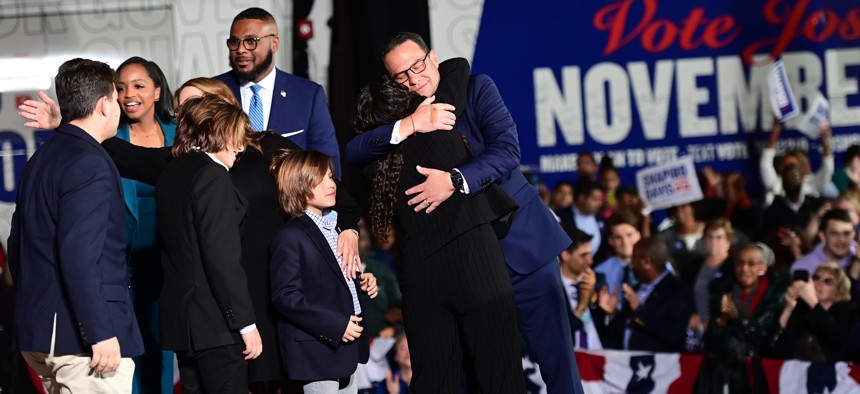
[836, 232]
[535, 238]
[276, 101]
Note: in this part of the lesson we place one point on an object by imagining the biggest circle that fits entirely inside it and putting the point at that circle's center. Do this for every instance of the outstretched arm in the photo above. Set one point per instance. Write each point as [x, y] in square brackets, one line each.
[136, 162]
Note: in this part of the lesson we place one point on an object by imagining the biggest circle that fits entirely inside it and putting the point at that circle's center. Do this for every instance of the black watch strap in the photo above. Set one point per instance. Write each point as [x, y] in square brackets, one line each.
[457, 180]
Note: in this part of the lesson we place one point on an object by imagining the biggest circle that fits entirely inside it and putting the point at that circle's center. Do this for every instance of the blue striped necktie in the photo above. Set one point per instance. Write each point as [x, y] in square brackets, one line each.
[255, 110]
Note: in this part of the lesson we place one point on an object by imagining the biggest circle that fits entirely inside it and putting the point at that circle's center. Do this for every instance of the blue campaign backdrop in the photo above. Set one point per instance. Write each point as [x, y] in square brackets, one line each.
[645, 81]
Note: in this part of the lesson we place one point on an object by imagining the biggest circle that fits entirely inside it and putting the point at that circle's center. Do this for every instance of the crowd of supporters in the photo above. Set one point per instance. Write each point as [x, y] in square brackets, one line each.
[734, 277]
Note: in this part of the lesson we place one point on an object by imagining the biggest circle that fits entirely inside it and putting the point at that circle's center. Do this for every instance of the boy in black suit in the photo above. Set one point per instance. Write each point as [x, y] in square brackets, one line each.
[315, 311]
[207, 315]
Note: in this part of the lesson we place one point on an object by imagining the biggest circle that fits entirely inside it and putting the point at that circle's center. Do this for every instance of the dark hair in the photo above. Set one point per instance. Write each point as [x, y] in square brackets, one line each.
[586, 153]
[382, 101]
[695, 205]
[164, 105]
[656, 250]
[80, 83]
[560, 184]
[208, 124]
[297, 173]
[623, 217]
[576, 235]
[585, 187]
[255, 13]
[627, 190]
[852, 152]
[837, 214]
[402, 37]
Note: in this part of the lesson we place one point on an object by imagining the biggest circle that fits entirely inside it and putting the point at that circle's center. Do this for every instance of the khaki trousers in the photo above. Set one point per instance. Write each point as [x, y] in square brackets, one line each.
[71, 373]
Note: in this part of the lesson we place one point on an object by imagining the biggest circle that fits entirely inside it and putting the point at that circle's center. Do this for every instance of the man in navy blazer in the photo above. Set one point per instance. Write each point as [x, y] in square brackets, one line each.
[656, 312]
[293, 107]
[74, 322]
[535, 239]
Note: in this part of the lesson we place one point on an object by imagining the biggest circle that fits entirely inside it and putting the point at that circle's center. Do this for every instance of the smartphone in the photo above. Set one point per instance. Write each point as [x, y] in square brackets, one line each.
[600, 281]
[802, 275]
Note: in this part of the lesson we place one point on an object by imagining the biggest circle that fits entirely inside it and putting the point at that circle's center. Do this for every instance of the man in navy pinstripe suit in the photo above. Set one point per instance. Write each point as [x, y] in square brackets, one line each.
[535, 238]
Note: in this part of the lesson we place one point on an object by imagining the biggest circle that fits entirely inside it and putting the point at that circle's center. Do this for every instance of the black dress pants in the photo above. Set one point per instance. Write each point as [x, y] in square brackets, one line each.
[219, 370]
[458, 305]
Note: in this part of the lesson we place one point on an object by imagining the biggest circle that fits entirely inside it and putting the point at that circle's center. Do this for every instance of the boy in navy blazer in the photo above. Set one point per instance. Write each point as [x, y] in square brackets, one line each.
[74, 322]
[320, 334]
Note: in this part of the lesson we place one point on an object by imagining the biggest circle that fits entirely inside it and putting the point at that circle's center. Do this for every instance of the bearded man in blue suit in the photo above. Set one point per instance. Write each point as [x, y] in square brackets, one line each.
[535, 238]
[276, 101]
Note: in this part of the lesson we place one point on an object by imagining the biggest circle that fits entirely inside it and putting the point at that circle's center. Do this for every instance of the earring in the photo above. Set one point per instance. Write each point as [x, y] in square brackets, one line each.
[761, 273]
[156, 99]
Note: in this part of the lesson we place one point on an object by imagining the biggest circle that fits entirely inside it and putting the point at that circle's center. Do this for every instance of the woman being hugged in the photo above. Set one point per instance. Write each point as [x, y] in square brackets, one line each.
[457, 298]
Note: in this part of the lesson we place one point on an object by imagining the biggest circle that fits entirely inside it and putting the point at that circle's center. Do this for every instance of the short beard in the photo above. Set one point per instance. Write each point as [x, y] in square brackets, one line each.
[256, 71]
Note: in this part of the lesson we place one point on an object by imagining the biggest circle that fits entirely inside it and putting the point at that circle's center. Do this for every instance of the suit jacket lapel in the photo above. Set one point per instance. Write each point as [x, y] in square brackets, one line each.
[324, 249]
[129, 187]
[278, 101]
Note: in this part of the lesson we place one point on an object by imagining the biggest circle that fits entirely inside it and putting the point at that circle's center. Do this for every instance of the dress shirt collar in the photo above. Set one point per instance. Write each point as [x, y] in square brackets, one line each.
[327, 221]
[268, 83]
[215, 159]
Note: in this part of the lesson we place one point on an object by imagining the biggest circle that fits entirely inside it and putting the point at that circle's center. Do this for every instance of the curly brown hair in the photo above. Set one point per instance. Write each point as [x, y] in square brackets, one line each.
[380, 102]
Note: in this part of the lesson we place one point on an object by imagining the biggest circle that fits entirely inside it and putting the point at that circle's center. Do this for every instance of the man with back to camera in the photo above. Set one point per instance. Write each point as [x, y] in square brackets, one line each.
[276, 101]
[74, 322]
[535, 240]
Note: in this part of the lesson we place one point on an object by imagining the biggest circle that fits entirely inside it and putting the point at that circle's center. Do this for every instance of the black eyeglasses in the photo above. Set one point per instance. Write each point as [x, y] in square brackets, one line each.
[417, 68]
[249, 43]
[826, 281]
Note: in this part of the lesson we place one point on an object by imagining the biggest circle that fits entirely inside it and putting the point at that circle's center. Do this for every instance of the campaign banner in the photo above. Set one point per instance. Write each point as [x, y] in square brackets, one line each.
[645, 82]
[669, 184]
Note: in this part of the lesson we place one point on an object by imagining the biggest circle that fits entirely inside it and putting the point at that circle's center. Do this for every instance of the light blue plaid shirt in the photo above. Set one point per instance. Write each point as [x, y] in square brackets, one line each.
[327, 223]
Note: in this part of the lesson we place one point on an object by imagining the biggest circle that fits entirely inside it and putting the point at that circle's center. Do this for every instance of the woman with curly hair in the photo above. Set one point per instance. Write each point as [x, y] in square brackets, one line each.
[457, 298]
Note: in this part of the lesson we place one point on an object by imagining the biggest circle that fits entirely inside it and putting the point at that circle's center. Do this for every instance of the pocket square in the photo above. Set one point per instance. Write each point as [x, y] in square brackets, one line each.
[293, 133]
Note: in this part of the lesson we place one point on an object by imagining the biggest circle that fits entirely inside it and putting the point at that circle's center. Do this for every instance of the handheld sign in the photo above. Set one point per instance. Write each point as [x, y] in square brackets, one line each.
[669, 184]
[817, 116]
[781, 98]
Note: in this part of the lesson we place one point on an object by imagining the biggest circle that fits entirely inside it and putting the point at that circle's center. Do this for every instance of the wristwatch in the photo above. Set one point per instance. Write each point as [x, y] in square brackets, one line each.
[457, 180]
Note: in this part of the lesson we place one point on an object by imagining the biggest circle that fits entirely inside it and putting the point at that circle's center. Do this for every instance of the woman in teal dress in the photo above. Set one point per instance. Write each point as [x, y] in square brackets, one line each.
[147, 120]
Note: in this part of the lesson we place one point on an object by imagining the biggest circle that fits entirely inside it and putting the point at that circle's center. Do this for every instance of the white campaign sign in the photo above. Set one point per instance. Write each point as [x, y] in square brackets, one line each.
[669, 184]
